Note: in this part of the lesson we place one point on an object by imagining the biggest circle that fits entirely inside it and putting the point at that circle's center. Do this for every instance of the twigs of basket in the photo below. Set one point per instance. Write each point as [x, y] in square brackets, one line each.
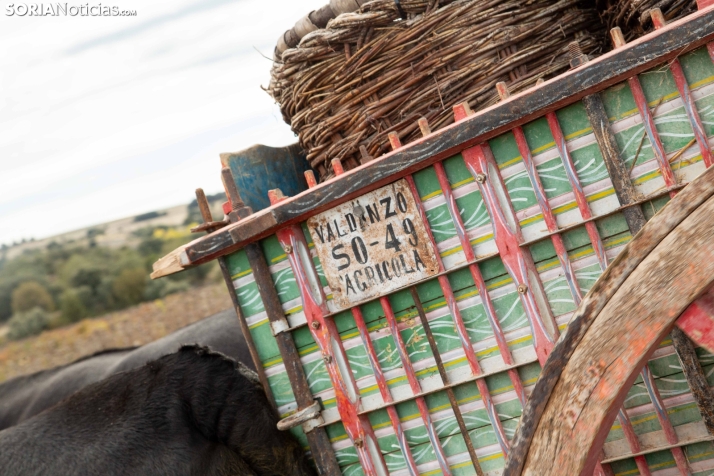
[370, 72]
[633, 17]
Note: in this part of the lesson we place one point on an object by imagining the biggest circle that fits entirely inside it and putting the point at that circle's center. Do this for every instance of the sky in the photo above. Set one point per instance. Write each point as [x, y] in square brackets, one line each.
[107, 117]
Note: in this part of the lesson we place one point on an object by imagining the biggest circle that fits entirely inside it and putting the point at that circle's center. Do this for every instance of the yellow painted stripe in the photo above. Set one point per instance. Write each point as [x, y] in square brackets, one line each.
[242, 273]
[565, 208]
[293, 310]
[279, 258]
[462, 182]
[474, 242]
[431, 195]
[451, 251]
[271, 362]
[258, 324]
[540, 149]
[453, 187]
[601, 194]
[533, 219]
[701, 82]
[657, 101]
[653, 416]
[700, 455]
[626, 473]
[482, 239]
[581, 132]
[508, 163]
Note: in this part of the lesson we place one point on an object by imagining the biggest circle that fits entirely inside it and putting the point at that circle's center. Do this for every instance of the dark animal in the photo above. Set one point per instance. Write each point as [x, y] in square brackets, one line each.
[26, 396]
[193, 412]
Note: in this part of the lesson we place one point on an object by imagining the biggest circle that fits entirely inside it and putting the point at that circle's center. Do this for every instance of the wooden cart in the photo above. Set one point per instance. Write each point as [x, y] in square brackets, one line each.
[406, 315]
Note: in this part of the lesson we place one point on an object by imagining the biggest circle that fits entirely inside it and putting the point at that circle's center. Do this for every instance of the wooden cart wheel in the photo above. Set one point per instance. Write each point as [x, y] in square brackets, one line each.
[621, 321]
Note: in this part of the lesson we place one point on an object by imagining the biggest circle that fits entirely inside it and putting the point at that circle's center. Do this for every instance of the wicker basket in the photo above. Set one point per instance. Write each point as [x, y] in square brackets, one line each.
[632, 16]
[381, 68]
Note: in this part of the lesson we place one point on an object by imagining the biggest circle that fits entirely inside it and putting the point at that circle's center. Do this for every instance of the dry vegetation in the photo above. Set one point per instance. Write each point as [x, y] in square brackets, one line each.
[130, 327]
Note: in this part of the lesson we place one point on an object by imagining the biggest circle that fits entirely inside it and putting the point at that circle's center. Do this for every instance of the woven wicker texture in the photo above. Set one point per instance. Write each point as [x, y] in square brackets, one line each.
[632, 16]
[371, 72]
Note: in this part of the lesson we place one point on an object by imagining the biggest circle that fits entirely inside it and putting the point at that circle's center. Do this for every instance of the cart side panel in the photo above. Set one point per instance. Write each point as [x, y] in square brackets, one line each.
[636, 152]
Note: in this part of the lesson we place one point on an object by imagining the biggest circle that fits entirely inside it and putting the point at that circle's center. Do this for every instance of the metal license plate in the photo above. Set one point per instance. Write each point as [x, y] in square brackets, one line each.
[373, 245]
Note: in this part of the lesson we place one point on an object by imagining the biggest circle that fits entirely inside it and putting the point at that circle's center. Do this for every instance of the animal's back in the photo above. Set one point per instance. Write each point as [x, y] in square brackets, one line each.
[23, 397]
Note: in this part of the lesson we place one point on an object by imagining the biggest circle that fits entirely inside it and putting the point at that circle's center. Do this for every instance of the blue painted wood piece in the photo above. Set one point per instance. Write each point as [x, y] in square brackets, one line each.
[261, 168]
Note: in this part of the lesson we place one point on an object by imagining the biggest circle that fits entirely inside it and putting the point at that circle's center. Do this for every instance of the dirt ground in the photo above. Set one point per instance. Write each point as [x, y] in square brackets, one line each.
[134, 326]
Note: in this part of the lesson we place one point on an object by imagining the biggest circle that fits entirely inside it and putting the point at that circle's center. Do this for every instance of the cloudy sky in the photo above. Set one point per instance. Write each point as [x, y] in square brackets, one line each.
[107, 117]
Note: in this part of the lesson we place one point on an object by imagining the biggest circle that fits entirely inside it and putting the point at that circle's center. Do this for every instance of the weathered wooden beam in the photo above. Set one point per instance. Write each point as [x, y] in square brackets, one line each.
[614, 67]
[619, 175]
[696, 378]
[205, 210]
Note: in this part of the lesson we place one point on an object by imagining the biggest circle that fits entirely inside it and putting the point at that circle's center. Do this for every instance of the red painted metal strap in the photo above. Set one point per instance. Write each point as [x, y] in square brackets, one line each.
[384, 391]
[633, 442]
[686, 94]
[414, 384]
[543, 203]
[480, 286]
[663, 418]
[327, 337]
[638, 94]
[578, 191]
[476, 276]
[506, 229]
[651, 131]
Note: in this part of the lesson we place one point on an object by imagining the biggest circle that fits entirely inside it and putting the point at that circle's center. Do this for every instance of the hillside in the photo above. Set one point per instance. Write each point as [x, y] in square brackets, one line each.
[88, 273]
[123, 232]
[136, 325]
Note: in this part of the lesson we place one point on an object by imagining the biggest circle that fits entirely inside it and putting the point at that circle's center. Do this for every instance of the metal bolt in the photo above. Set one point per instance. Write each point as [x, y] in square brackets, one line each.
[365, 155]
[522, 288]
[577, 58]
[327, 359]
[481, 178]
[288, 249]
[574, 49]
[315, 325]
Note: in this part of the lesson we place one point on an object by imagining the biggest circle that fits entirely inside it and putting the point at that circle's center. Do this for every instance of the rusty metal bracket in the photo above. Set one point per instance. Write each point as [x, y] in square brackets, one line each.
[309, 418]
[279, 325]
